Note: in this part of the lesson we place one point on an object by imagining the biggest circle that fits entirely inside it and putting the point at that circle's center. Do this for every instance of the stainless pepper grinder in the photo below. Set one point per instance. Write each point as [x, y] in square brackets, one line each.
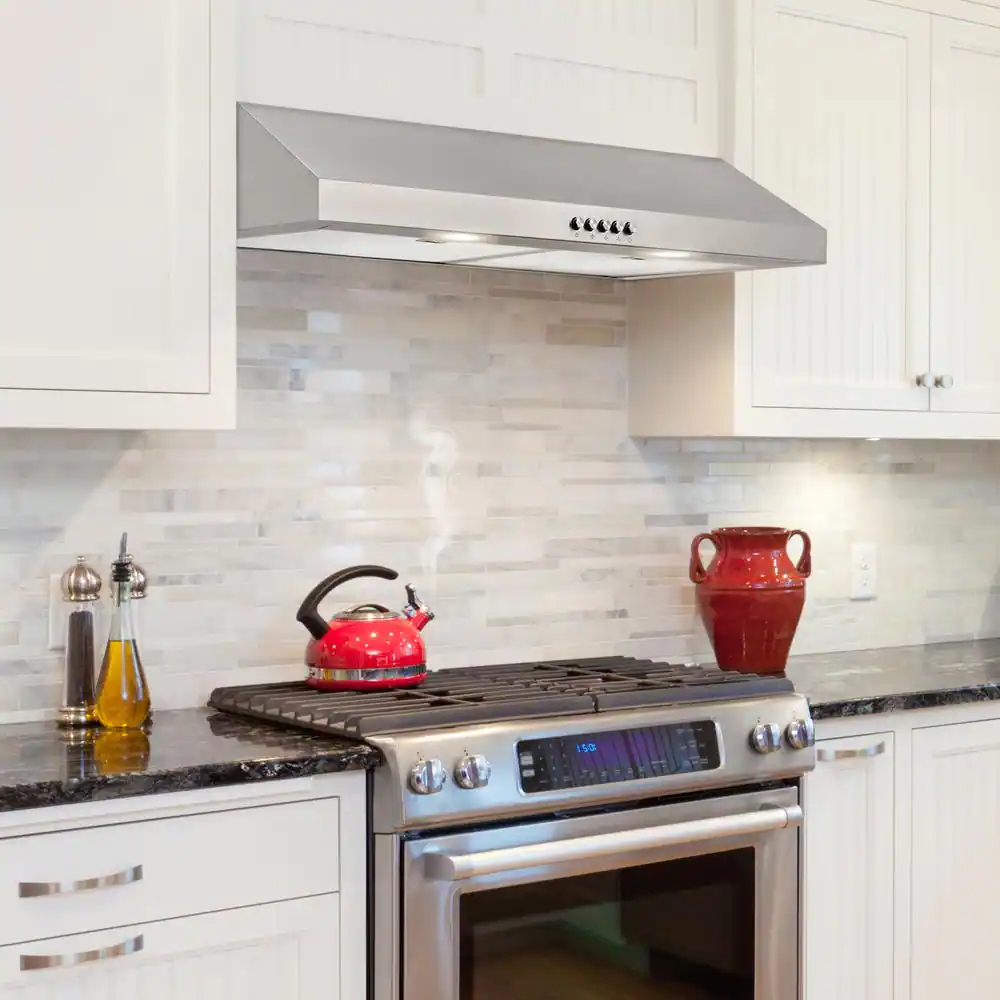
[81, 588]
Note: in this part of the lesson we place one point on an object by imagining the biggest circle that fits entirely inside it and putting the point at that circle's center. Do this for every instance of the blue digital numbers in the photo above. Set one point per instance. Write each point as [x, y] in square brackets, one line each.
[586, 748]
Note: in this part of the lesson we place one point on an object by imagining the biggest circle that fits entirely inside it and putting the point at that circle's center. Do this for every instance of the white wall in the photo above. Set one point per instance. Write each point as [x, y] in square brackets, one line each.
[467, 428]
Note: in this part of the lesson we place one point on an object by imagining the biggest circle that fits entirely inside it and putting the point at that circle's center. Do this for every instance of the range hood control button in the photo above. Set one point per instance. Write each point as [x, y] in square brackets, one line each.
[627, 229]
[602, 226]
[575, 223]
[615, 227]
[588, 224]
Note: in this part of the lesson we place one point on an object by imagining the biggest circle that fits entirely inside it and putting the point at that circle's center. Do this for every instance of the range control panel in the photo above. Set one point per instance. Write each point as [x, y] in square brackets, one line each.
[617, 755]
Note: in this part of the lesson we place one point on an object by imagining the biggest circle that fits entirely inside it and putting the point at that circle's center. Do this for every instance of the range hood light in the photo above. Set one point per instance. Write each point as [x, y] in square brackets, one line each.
[672, 254]
[459, 238]
[451, 238]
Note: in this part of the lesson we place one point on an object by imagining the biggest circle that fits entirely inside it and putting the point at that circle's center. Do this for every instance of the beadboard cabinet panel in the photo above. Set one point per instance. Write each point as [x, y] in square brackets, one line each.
[117, 195]
[285, 950]
[848, 870]
[841, 131]
[641, 73]
[965, 207]
[955, 864]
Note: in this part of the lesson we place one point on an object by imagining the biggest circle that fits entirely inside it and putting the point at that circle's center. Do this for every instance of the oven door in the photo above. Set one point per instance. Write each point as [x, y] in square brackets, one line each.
[695, 900]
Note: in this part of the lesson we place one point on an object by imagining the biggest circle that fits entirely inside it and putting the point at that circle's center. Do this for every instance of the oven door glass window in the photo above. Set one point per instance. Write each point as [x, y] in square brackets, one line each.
[676, 930]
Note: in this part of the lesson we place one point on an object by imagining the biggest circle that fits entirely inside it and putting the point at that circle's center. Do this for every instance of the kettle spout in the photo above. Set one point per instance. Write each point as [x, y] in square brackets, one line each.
[418, 612]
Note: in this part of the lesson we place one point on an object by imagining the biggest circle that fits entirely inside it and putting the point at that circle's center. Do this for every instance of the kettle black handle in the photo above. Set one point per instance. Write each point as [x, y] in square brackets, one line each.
[309, 609]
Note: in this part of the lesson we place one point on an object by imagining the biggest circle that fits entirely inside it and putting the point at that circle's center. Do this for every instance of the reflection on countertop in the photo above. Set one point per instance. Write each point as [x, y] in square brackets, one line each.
[874, 681]
[182, 750]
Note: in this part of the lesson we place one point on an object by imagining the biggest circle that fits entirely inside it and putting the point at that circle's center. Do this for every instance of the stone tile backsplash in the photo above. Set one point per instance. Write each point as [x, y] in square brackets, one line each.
[468, 428]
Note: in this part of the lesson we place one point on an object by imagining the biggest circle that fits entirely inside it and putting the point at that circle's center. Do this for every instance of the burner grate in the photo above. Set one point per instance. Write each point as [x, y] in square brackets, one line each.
[494, 694]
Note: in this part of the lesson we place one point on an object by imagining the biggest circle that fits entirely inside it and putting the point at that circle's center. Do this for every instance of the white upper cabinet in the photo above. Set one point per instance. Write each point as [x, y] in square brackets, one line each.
[965, 217]
[117, 188]
[641, 73]
[841, 131]
[880, 122]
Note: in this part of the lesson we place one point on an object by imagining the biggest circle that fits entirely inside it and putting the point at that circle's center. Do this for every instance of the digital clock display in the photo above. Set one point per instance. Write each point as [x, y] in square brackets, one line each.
[618, 755]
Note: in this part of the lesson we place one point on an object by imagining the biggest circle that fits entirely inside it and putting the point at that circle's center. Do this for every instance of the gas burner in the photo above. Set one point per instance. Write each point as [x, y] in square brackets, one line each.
[474, 695]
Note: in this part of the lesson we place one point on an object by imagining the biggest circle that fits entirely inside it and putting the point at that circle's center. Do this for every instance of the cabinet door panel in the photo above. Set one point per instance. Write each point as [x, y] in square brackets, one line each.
[848, 864]
[104, 195]
[283, 950]
[842, 132]
[625, 72]
[956, 860]
[965, 220]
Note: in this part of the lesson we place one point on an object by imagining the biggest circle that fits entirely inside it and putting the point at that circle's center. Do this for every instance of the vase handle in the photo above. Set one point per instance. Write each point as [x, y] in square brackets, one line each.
[696, 570]
[804, 565]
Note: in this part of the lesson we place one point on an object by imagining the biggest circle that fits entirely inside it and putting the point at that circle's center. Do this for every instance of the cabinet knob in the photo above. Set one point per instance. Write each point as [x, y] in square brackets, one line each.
[925, 381]
[943, 381]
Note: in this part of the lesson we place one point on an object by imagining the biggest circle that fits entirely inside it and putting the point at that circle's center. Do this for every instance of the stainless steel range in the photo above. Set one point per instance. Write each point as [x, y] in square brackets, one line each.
[608, 828]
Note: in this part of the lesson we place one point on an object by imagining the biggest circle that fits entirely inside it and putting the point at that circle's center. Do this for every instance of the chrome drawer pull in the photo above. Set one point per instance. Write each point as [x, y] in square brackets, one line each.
[27, 890]
[30, 963]
[822, 753]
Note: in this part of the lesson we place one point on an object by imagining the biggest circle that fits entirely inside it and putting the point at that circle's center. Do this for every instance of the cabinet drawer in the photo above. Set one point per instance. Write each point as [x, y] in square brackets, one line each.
[84, 880]
[287, 950]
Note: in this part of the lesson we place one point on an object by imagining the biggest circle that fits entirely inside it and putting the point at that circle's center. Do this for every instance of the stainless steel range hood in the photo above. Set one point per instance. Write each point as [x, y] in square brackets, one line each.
[365, 187]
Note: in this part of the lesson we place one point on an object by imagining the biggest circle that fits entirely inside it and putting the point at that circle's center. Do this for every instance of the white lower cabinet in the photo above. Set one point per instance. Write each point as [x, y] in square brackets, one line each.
[281, 950]
[956, 861]
[189, 896]
[848, 870]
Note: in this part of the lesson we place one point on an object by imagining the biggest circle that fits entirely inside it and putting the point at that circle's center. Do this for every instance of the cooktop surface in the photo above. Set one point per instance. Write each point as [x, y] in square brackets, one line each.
[473, 695]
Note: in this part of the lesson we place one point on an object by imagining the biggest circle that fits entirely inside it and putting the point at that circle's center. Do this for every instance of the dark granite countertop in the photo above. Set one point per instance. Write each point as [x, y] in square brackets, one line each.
[183, 750]
[890, 680]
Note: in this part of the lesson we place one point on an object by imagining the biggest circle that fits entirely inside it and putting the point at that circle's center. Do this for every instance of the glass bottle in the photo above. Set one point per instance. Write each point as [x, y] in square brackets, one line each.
[122, 691]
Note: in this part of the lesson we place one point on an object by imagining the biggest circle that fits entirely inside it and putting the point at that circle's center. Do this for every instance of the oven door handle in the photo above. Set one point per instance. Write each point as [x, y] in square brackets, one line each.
[454, 867]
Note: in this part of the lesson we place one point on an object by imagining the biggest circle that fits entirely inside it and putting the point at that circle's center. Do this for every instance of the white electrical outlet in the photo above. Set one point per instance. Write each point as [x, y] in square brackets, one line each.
[864, 572]
[57, 613]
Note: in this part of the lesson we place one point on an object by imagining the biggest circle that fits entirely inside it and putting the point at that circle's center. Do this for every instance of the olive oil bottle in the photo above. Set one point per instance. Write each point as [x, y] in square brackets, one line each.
[122, 700]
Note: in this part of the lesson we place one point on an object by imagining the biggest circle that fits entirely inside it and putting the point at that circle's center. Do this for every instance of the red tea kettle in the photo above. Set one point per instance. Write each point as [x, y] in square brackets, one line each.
[366, 646]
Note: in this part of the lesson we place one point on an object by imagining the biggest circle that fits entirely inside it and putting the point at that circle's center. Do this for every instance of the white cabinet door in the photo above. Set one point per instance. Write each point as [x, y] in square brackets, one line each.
[639, 73]
[956, 860]
[841, 130]
[848, 870]
[282, 950]
[116, 239]
[965, 209]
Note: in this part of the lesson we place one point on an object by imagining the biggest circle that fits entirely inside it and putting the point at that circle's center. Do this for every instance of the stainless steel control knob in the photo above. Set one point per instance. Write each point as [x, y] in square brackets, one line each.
[473, 771]
[765, 738]
[801, 733]
[427, 777]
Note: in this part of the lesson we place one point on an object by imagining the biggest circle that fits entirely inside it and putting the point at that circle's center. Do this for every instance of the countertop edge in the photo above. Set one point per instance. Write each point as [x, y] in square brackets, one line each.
[70, 791]
[845, 708]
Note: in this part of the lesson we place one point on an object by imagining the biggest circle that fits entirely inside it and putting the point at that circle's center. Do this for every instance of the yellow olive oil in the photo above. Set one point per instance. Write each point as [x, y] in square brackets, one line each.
[122, 692]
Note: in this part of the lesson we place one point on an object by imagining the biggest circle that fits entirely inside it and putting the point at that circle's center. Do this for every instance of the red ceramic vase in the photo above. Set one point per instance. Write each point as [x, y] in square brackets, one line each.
[751, 595]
